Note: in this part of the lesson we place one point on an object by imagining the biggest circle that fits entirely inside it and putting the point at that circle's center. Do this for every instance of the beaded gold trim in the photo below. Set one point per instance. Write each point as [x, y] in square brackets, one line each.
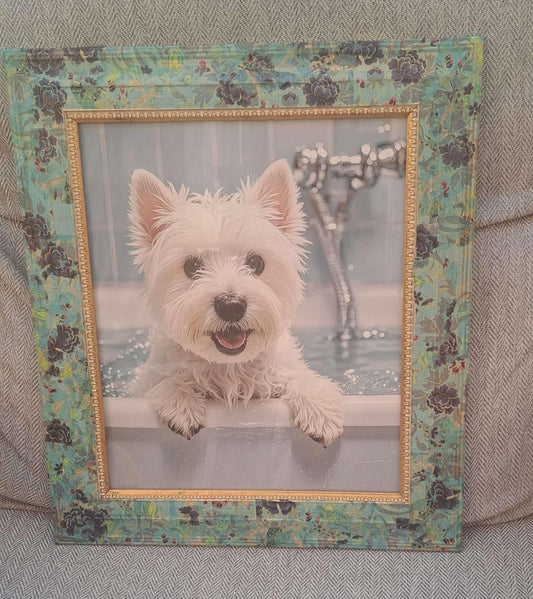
[72, 120]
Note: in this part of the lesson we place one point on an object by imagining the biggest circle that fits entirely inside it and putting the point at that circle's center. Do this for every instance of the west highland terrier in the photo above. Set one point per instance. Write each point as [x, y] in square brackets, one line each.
[223, 282]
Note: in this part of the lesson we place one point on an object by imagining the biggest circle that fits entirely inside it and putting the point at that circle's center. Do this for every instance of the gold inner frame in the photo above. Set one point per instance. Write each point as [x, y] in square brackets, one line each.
[72, 120]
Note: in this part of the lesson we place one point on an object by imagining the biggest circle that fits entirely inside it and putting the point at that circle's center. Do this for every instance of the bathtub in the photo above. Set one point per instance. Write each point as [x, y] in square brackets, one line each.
[257, 447]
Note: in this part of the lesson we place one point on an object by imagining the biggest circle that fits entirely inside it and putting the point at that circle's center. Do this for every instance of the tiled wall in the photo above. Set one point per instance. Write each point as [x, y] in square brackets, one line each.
[218, 154]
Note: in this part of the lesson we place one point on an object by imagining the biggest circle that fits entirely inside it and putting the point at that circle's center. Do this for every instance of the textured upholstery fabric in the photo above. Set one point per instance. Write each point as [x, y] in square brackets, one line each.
[499, 452]
[496, 563]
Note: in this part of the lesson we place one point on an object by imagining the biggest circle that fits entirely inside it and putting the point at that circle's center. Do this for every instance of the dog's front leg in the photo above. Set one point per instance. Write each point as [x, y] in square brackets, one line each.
[315, 405]
[179, 405]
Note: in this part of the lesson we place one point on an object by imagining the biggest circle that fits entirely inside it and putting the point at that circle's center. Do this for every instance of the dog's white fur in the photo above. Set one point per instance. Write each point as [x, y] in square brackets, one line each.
[185, 367]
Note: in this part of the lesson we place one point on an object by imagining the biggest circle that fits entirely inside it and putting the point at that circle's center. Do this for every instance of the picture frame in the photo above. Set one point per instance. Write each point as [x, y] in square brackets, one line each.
[434, 86]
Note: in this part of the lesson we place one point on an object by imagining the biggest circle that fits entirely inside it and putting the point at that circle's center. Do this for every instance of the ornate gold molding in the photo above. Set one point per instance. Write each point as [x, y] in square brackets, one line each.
[72, 120]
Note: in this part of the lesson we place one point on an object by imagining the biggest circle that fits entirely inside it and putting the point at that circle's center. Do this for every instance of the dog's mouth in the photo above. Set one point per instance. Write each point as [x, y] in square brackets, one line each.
[232, 341]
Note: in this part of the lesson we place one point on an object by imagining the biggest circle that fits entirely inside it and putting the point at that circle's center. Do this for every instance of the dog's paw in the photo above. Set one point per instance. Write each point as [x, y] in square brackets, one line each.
[321, 427]
[188, 433]
[183, 412]
[319, 415]
[185, 422]
[329, 432]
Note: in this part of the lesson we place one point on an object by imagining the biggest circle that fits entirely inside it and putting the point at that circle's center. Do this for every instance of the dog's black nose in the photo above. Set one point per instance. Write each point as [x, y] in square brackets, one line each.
[230, 308]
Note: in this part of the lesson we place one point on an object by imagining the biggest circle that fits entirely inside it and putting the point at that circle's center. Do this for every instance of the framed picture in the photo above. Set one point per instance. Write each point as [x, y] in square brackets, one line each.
[250, 268]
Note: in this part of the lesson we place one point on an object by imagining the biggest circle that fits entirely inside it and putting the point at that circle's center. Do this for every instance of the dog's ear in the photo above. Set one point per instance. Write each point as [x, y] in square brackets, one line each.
[150, 201]
[277, 191]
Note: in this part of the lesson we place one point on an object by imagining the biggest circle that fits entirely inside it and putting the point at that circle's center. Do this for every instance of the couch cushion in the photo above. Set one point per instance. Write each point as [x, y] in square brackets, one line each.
[496, 562]
[499, 467]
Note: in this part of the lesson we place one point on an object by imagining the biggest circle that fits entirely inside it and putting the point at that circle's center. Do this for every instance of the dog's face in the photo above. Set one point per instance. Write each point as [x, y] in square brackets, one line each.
[223, 273]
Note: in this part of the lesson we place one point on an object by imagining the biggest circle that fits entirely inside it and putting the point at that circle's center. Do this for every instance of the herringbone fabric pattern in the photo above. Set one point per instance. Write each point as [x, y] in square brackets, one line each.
[499, 463]
[495, 564]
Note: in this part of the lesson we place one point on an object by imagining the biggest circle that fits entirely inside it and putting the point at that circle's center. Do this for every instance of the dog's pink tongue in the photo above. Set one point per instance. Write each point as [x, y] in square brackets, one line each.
[233, 342]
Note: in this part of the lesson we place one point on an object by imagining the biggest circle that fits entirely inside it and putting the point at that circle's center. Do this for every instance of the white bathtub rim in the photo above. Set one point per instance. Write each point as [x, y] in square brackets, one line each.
[359, 410]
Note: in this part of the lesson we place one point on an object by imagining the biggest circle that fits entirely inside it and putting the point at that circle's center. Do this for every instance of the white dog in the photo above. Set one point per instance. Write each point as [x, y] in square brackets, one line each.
[223, 281]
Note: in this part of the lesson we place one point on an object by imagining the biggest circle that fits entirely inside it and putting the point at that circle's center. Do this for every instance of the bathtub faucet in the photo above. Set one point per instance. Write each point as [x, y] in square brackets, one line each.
[315, 170]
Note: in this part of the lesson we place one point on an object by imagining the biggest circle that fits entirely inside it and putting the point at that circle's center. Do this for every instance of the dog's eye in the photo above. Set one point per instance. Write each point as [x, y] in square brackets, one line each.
[255, 263]
[192, 266]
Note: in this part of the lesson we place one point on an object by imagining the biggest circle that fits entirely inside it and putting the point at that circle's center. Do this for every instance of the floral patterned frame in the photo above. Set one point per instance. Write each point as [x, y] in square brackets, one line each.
[443, 77]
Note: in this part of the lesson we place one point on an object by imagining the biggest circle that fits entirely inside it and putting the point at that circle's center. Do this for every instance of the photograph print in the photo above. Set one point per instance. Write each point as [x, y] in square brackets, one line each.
[248, 281]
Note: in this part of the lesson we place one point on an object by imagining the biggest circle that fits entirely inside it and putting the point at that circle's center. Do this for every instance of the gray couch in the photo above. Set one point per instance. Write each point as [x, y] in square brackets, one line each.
[498, 555]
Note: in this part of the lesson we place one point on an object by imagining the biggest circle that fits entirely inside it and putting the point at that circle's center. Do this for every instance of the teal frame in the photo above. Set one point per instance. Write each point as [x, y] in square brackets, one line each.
[442, 76]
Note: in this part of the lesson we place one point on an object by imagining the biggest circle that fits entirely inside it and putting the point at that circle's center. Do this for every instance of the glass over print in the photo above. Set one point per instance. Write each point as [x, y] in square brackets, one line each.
[357, 345]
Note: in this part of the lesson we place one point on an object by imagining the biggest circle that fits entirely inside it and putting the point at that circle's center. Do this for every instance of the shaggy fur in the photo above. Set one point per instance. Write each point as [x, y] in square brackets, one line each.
[196, 354]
